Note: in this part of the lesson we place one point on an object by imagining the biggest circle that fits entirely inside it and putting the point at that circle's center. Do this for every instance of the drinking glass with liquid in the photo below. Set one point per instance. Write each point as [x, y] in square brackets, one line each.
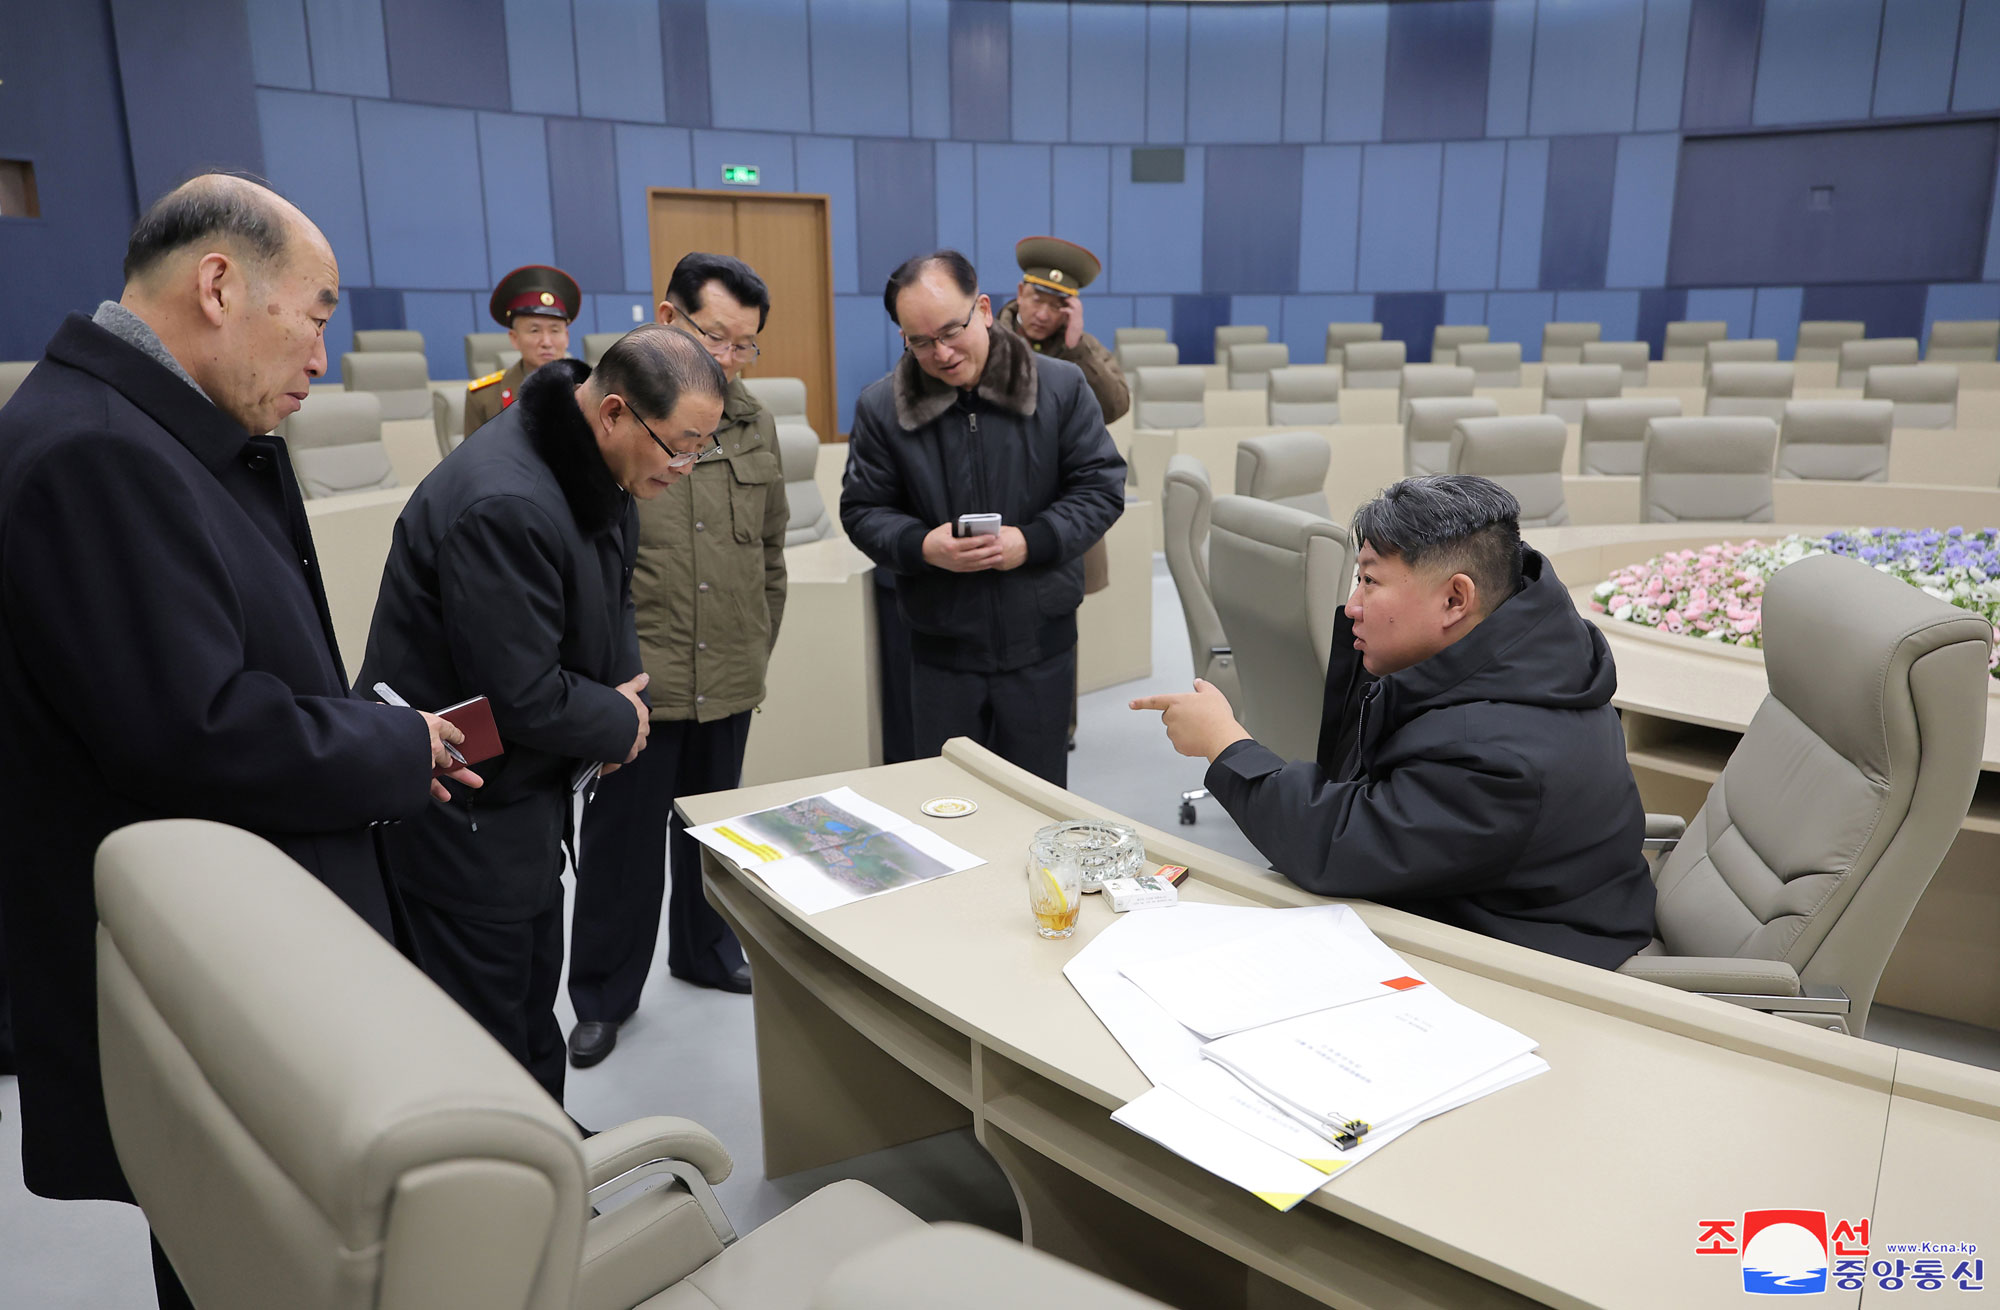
[1055, 889]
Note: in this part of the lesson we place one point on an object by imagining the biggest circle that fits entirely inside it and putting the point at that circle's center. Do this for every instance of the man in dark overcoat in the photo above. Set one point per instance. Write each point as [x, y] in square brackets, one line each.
[165, 645]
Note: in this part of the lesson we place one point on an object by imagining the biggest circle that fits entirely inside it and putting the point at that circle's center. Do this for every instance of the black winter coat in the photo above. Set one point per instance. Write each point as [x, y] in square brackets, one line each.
[1029, 444]
[509, 577]
[165, 652]
[1486, 787]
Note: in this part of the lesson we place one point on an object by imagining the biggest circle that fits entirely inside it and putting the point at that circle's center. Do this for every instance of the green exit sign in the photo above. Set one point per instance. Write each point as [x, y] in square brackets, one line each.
[740, 174]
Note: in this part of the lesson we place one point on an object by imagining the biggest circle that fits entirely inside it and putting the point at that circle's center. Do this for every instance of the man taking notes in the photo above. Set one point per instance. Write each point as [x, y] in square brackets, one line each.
[1471, 767]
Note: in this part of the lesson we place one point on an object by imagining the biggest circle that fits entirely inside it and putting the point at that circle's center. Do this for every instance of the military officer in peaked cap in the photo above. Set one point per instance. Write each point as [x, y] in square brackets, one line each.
[536, 304]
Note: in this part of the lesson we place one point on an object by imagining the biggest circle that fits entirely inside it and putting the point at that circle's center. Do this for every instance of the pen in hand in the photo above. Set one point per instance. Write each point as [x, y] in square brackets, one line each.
[389, 697]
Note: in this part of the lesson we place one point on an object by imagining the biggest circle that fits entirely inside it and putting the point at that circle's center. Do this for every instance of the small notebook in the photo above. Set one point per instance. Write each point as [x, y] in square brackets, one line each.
[474, 718]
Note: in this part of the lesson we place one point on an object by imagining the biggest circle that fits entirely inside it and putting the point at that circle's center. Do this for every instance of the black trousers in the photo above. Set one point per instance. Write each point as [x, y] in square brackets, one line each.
[504, 974]
[892, 641]
[167, 1284]
[623, 848]
[6, 1011]
[1021, 715]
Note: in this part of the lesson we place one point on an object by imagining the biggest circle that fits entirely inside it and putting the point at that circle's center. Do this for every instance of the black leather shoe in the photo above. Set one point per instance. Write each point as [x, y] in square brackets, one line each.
[737, 980]
[590, 1041]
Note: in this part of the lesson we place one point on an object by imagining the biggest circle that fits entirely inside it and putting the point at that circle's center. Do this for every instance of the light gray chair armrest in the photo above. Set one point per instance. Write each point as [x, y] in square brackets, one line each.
[660, 1236]
[1717, 974]
[619, 1150]
[1663, 832]
[967, 1268]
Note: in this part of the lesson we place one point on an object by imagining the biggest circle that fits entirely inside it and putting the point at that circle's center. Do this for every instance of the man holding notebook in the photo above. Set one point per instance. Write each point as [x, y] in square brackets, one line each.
[1471, 768]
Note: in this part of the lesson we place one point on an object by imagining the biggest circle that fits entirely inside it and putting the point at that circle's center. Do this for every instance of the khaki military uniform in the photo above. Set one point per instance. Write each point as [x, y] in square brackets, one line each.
[1107, 383]
[487, 396]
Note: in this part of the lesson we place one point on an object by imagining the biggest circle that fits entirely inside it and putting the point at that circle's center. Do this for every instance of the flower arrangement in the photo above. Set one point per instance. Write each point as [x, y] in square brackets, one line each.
[1717, 593]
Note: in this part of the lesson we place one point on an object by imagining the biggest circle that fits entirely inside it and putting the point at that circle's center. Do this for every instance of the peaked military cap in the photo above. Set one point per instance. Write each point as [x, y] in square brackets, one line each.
[1057, 265]
[536, 289]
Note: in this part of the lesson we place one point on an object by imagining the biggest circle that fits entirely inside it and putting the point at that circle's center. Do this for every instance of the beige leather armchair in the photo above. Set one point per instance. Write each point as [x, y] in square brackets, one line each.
[1687, 339]
[1760, 390]
[1493, 363]
[1857, 357]
[1303, 393]
[448, 418]
[1565, 387]
[1424, 381]
[596, 343]
[1562, 343]
[956, 1267]
[1925, 395]
[1521, 452]
[1371, 365]
[1708, 469]
[1186, 502]
[13, 373]
[1287, 468]
[1446, 338]
[1169, 397]
[1134, 355]
[1963, 341]
[483, 351]
[1251, 363]
[1836, 440]
[1230, 335]
[1795, 879]
[1427, 429]
[336, 446]
[400, 379]
[798, 452]
[1630, 356]
[380, 339]
[1820, 339]
[1127, 335]
[1752, 350]
[1612, 440]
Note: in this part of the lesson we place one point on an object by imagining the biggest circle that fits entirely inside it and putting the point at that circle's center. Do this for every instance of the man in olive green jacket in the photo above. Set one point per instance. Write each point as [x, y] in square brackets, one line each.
[709, 590]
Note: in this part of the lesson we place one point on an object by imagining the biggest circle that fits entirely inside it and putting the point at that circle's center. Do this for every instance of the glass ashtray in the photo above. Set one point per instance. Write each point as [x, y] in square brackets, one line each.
[1106, 850]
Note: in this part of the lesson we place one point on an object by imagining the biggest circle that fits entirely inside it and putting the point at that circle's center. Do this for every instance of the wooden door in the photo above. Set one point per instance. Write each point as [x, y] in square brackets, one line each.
[788, 240]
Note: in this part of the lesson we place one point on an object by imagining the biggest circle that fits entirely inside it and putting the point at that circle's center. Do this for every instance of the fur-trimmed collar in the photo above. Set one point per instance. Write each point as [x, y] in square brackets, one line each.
[1009, 382]
[563, 438]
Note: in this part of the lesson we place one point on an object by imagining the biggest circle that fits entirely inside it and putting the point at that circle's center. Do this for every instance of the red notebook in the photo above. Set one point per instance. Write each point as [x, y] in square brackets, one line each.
[474, 718]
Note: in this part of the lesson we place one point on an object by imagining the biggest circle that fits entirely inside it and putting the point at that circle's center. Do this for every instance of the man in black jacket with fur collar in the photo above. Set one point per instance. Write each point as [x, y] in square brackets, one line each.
[972, 421]
[510, 577]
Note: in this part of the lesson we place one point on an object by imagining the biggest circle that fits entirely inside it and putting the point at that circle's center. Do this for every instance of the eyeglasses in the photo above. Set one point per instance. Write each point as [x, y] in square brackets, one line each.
[721, 345]
[677, 459]
[924, 345]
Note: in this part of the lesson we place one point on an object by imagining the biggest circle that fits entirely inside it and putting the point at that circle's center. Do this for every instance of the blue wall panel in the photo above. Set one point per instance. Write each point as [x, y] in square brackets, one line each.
[1734, 306]
[1166, 72]
[1817, 60]
[420, 168]
[444, 317]
[647, 157]
[339, 340]
[1961, 300]
[349, 52]
[514, 175]
[1475, 178]
[1195, 321]
[1439, 55]
[826, 167]
[1576, 227]
[1659, 306]
[1520, 317]
[1976, 84]
[957, 198]
[446, 52]
[375, 308]
[1642, 208]
[190, 95]
[1306, 317]
[1082, 210]
[315, 163]
[618, 54]
[1107, 73]
[1411, 317]
[1039, 81]
[1156, 229]
[930, 68]
[980, 77]
[1465, 307]
[684, 61]
[1889, 309]
[1399, 206]
[613, 313]
[1662, 65]
[541, 56]
[1104, 315]
[1919, 46]
[1250, 220]
[1777, 317]
[895, 206]
[1014, 184]
[860, 69]
[771, 153]
[1521, 215]
[1721, 62]
[1153, 311]
[779, 97]
[583, 183]
[1305, 72]
[1586, 66]
[1993, 230]
[1513, 61]
[279, 54]
[860, 352]
[1357, 60]
[1329, 218]
[1236, 56]
[1267, 311]
[1616, 311]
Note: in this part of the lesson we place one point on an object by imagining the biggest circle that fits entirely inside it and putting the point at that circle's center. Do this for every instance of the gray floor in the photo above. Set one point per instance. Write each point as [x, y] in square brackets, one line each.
[690, 1052]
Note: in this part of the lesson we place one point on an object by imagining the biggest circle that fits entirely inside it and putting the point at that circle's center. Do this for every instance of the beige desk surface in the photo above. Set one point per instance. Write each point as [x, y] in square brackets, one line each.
[1580, 1187]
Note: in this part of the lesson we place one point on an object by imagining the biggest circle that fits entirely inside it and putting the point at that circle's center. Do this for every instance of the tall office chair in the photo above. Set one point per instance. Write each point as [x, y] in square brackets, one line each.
[308, 1121]
[1566, 386]
[483, 351]
[1372, 365]
[448, 417]
[1750, 350]
[1164, 399]
[399, 379]
[336, 445]
[596, 343]
[1857, 357]
[1836, 440]
[783, 398]
[13, 373]
[1286, 468]
[1421, 381]
[1251, 363]
[1446, 338]
[1631, 356]
[1822, 338]
[380, 339]
[1186, 503]
[1339, 336]
[1228, 335]
[1303, 393]
[1493, 363]
[1427, 429]
[1687, 339]
[1521, 452]
[1562, 343]
[1964, 341]
[1126, 336]
[1791, 886]
[1135, 355]
[798, 453]
[1613, 437]
[1757, 389]
[1708, 469]
[1279, 574]
[1925, 395]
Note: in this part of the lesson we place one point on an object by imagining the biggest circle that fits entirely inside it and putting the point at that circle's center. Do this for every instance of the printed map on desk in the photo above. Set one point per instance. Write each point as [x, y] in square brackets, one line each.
[833, 849]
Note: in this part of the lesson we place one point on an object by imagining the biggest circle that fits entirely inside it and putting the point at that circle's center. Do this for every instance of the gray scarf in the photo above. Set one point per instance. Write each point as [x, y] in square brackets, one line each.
[129, 328]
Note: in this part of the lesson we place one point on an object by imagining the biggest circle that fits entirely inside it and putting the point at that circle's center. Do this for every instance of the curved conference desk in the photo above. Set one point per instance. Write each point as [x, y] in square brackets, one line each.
[937, 1007]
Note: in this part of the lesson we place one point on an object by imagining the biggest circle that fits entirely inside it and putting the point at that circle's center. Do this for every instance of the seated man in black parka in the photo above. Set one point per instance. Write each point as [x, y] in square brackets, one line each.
[1470, 767]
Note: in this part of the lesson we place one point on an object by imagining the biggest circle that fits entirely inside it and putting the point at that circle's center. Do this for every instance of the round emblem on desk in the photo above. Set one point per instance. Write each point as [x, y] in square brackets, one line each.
[949, 807]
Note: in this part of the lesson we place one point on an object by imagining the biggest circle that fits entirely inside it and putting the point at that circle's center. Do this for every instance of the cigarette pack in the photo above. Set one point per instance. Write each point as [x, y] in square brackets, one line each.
[1143, 892]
